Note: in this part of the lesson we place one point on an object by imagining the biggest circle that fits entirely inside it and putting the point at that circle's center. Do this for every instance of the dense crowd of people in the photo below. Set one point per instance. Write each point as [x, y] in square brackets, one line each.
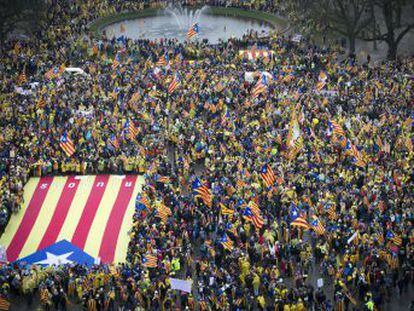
[254, 189]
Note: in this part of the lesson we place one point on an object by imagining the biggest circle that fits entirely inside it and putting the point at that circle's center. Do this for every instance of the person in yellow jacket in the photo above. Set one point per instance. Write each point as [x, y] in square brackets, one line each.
[370, 305]
[175, 265]
[261, 302]
[256, 283]
[300, 306]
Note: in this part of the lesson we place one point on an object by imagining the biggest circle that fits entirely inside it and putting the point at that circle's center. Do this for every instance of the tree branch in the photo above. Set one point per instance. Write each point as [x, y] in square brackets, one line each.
[381, 37]
[403, 33]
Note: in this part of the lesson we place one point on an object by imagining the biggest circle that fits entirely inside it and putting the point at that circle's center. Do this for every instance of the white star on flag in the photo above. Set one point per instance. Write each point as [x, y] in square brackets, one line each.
[52, 259]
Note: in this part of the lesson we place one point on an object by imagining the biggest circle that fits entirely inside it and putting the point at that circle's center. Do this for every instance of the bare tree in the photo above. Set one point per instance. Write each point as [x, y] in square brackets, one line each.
[300, 11]
[346, 17]
[394, 24]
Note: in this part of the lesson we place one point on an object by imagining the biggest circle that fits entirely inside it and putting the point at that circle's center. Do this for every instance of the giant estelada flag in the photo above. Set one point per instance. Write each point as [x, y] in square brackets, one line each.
[94, 213]
[60, 253]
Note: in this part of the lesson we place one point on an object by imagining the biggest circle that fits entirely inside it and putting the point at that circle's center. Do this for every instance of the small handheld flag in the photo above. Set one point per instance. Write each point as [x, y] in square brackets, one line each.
[226, 242]
[300, 222]
[396, 239]
[114, 141]
[149, 261]
[297, 220]
[226, 211]
[260, 86]
[164, 179]
[163, 212]
[117, 61]
[4, 304]
[130, 129]
[22, 78]
[203, 192]
[141, 202]
[67, 145]
[321, 81]
[254, 218]
[163, 61]
[175, 83]
[352, 150]
[317, 225]
[330, 209]
[268, 175]
[336, 128]
[193, 31]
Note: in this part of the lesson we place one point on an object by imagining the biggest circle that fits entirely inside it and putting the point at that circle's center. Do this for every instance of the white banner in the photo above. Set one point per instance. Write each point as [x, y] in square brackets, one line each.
[353, 237]
[184, 285]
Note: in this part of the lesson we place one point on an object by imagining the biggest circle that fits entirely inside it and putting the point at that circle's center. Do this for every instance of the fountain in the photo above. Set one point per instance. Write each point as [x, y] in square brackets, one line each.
[185, 17]
[174, 22]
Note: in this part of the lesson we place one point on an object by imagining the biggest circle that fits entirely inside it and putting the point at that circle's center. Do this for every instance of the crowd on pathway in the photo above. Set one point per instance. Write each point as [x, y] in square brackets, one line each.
[253, 188]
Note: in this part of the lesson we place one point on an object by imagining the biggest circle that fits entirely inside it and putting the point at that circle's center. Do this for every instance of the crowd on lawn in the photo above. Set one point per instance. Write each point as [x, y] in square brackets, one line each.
[254, 188]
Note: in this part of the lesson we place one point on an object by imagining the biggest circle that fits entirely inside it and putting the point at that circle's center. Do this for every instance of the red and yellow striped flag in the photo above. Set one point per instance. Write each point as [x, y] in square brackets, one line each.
[163, 212]
[226, 211]
[94, 213]
[301, 223]
[317, 225]
[4, 304]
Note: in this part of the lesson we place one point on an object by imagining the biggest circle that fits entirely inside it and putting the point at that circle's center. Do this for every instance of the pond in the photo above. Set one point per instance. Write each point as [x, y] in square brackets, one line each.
[165, 25]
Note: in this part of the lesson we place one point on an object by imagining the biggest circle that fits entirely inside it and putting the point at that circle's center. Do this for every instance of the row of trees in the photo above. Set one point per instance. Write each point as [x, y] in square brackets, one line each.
[13, 12]
[371, 20]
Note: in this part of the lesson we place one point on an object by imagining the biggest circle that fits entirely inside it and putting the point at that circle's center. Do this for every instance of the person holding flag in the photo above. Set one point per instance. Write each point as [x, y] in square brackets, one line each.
[260, 87]
[175, 83]
[67, 145]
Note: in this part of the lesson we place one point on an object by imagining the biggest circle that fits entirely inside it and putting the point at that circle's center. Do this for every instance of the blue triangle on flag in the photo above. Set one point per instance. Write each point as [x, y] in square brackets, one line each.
[60, 253]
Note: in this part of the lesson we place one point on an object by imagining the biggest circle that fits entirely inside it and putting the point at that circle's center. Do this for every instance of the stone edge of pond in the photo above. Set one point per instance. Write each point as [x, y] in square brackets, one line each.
[97, 25]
